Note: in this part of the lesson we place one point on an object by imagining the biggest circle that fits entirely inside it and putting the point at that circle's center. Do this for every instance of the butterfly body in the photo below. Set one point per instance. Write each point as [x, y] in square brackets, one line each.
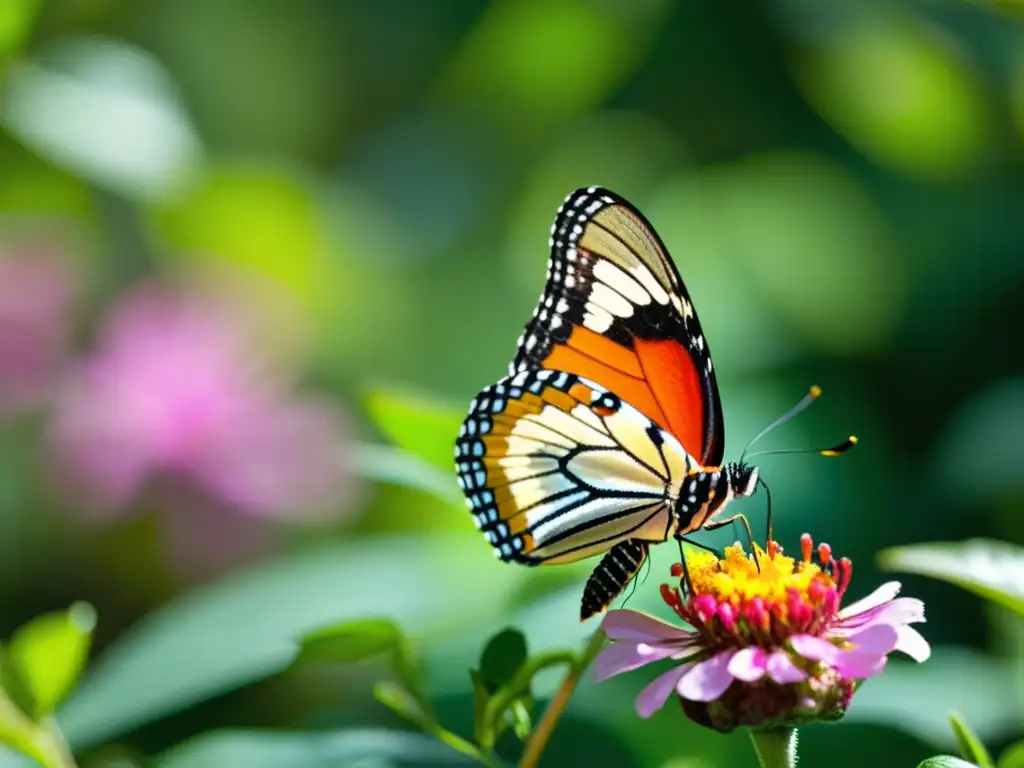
[606, 436]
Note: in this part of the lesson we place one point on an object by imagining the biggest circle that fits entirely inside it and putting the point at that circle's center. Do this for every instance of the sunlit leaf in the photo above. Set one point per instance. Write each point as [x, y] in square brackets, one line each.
[105, 110]
[1012, 756]
[16, 19]
[930, 119]
[243, 628]
[491, 70]
[418, 423]
[992, 569]
[945, 761]
[502, 657]
[49, 653]
[257, 216]
[322, 749]
[971, 747]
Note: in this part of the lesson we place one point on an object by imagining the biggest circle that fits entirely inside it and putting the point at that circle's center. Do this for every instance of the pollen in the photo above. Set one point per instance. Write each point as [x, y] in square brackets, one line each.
[764, 593]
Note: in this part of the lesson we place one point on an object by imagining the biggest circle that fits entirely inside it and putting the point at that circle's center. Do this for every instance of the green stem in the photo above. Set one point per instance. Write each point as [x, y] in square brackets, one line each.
[463, 746]
[542, 733]
[775, 747]
[42, 741]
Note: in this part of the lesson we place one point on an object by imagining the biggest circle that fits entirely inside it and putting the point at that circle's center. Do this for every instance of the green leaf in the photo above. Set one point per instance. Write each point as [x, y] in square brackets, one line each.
[481, 729]
[243, 628]
[417, 422]
[522, 723]
[322, 749]
[13, 686]
[992, 569]
[351, 641]
[502, 657]
[16, 20]
[388, 464]
[1012, 756]
[405, 704]
[361, 639]
[48, 654]
[945, 761]
[970, 745]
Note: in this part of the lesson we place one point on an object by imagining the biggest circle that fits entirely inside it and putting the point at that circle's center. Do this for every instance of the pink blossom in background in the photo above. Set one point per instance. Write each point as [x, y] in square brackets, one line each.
[36, 290]
[175, 407]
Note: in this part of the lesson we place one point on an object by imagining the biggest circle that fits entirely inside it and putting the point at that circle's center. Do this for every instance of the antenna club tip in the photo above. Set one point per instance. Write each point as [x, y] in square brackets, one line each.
[815, 391]
[853, 439]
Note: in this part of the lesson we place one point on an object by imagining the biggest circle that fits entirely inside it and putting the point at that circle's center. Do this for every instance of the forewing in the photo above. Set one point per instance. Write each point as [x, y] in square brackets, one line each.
[615, 311]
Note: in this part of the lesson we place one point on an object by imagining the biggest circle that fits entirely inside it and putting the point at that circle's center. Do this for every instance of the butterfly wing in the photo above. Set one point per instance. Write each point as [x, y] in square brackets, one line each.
[556, 468]
[615, 311]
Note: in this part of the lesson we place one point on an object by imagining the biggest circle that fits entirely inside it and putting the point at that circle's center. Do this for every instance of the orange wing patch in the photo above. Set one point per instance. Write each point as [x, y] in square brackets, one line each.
[675, 385]
[658, 379]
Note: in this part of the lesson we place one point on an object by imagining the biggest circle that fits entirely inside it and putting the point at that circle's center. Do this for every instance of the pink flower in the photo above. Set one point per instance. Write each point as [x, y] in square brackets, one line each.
[173, 406]
[764, 647]
[36, 288]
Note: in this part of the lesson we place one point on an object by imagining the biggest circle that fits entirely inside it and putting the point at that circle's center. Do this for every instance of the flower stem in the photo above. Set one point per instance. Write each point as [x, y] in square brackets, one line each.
[542, 733]
[42, 741]
[775, 747]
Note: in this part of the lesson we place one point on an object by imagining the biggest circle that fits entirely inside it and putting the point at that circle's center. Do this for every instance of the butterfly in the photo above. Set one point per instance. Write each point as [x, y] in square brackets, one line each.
[606, 436]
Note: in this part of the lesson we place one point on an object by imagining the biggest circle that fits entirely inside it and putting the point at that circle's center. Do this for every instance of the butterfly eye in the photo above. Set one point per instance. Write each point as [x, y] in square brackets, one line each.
[606, 404]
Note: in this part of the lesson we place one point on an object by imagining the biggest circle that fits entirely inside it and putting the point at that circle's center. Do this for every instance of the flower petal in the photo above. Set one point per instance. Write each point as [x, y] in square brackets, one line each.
[707, 680]
[902, 610]
[856, 665]
[814, 648]
[883, 594]
[876, 639]
[624, 656]
[782, 670]
[624, 624]
[913, 644]
[653, 697]
[748, 664]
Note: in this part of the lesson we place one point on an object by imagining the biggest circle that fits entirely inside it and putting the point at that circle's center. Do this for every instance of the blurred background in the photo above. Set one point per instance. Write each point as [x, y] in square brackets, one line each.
[256, 257]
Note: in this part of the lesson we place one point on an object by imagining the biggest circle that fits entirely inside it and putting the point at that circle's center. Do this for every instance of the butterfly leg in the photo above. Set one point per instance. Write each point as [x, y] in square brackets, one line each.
[687, 584]
[746, 525]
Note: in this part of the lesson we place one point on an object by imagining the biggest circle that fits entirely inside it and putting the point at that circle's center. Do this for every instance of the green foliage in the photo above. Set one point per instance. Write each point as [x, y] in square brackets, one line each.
[16, 20]
[324, 749]
[987, 568]
[244, 627]
[945, 761]
[970, 745]
[419, 424]
[502, 658]
[39, 665]
[48, 654]
[1012, 756]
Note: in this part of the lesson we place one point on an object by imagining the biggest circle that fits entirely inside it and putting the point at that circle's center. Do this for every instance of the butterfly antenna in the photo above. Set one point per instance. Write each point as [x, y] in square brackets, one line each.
[835, 450]
[812, 394]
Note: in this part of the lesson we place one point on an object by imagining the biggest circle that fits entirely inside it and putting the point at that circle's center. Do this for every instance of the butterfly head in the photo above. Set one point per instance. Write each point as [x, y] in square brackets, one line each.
[741, 478]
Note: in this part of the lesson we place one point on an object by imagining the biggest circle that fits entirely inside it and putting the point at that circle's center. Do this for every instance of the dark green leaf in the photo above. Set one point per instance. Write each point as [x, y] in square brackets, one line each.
[502, 657]
[324, 749]
[988, 568]
[945, 761]
[403, 703]
[351, 641]
[48, 654]
[970, 745]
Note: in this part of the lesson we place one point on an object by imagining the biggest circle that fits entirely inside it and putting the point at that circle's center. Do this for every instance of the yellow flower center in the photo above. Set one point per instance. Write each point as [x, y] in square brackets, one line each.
[736, 578]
